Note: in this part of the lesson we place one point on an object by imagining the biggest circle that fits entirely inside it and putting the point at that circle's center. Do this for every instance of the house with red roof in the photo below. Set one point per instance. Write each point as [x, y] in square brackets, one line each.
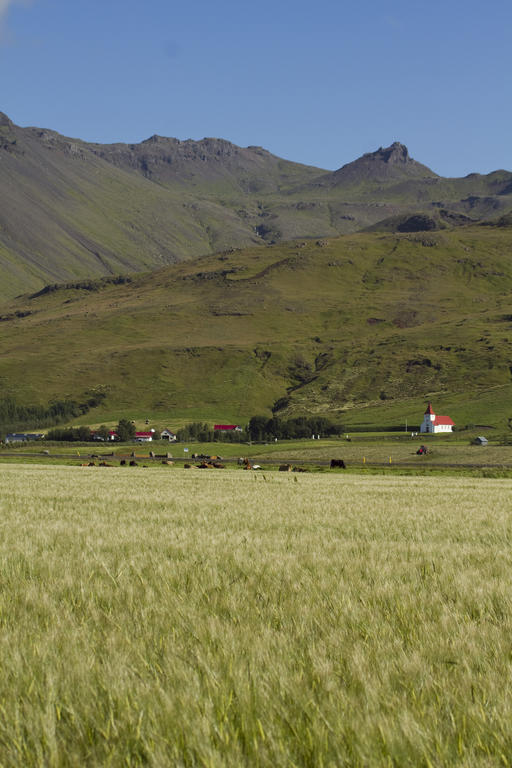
[433, 423]
[227, 428]
[144, 437]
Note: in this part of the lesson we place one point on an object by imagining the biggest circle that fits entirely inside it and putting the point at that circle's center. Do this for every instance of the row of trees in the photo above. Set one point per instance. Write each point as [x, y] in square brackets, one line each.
[125, 431]
[259, 428]
[14, 415]
[262, 428]
[198, 432]
[70, 435]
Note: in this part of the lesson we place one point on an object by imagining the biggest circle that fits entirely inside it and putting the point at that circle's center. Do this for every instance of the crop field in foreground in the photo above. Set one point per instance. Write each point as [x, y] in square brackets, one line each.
[226, 619]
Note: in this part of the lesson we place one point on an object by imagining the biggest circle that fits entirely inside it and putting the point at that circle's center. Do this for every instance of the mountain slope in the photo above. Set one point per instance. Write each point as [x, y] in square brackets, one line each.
[71, 210]
[364, 326]
[66, 213]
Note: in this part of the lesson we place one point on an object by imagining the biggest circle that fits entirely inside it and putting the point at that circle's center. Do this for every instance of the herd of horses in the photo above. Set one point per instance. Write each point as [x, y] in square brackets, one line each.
[214, 462]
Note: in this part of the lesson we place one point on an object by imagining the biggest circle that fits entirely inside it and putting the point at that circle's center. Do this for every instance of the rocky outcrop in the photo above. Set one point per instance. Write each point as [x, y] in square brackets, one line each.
[386, 164]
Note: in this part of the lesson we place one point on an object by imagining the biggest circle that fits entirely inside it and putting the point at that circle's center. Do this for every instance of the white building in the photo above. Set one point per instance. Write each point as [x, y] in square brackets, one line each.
[22, 437]
[166, 434]
[432, 423]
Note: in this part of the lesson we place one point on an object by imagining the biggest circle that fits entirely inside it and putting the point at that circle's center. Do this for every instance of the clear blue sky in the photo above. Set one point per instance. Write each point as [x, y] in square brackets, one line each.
[317, 82]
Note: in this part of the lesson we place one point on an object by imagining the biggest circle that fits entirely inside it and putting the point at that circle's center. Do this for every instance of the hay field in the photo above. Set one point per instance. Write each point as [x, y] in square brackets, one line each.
[168, 617]
[441, 452]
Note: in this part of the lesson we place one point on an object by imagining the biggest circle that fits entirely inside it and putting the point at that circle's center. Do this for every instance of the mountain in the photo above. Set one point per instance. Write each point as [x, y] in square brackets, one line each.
[363, 327]
[209, 164]
[69, 209]
[385, 165]
[72, 210]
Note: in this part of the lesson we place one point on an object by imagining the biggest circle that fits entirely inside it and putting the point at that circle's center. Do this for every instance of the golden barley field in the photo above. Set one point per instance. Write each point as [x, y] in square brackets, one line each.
[169, 617]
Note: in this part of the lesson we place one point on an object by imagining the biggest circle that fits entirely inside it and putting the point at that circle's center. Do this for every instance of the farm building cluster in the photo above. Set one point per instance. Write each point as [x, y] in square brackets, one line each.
[139, 437]
[432, 424]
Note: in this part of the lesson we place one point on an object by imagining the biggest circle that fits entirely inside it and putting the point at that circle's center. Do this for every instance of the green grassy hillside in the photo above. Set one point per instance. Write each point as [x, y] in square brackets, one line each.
[71, 210]
[363, 327]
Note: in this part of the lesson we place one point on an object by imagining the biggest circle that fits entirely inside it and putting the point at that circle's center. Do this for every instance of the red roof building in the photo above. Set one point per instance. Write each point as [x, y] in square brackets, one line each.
[223, 427]
[444, 421]
[143, 437]
[432, 423]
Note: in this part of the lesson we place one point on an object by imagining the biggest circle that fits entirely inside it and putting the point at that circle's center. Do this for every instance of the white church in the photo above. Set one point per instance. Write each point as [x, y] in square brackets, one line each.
[432, 423]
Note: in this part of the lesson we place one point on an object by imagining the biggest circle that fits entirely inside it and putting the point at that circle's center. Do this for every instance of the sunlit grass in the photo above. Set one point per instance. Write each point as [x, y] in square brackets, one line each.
[168, 617]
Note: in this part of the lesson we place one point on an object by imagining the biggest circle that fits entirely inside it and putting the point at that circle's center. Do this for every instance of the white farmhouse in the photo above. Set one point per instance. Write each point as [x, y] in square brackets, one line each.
[166, 434]
[432, 423]
[144, 437]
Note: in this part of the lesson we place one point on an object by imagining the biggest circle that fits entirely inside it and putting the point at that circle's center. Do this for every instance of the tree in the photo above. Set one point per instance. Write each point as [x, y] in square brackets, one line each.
[83, 434]
[125, 430]
[257, 426]
[103, 432]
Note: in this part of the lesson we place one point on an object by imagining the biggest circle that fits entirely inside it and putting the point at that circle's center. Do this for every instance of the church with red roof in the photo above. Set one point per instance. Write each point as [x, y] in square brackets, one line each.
[432, 423]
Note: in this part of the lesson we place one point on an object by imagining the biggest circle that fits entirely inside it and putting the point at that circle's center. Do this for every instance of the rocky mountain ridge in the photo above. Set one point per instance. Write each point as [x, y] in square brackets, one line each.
[71, 209]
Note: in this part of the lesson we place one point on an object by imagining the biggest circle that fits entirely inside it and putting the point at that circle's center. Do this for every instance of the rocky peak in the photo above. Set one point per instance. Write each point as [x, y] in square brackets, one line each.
[8, 135]
[4, 121]
[156, 139]
[391, 163]
[396, 153]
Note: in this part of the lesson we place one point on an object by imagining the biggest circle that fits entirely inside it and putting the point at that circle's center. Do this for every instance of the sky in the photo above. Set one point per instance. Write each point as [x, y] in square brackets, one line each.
[316, 82]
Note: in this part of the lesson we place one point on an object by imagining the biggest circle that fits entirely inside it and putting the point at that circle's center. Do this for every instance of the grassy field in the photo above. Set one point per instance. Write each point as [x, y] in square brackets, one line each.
[361, 452]
[225, 619]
